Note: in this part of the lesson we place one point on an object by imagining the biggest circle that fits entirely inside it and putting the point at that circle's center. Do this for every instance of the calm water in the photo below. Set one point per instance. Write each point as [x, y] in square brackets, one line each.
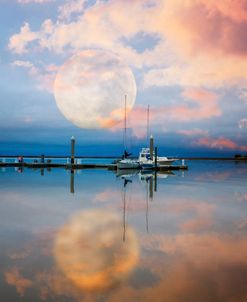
[124, 237]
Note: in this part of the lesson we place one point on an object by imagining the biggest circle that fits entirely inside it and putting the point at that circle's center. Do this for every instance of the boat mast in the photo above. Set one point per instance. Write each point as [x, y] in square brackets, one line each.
[147, 124]
[125, 120]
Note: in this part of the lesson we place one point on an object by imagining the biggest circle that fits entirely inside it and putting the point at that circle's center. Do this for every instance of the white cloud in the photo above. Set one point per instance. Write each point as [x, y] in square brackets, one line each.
[71, 7]
[44, 76]
[243, 95]
[199, 72]
[242, 123]
[109, 24]
[26, 64]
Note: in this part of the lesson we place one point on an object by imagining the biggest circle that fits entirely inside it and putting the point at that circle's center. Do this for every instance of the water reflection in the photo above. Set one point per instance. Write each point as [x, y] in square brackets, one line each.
[72, 181]
[90, 252]
[124, 240]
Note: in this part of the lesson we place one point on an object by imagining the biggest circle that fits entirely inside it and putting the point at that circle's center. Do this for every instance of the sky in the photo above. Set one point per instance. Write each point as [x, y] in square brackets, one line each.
[187, 58]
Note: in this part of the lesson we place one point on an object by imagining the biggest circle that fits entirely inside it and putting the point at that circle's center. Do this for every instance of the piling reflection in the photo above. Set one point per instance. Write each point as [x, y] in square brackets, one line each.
[90, 252]
[192, 236]
[72, 181]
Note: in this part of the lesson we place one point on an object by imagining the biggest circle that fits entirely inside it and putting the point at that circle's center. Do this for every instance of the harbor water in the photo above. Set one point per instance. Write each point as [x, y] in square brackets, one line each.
[98, 235]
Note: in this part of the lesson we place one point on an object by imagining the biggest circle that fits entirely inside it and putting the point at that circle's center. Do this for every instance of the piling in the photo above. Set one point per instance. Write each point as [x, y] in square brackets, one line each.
[155, 158]
[151, 147]
[155, 181]
[72, 181]
[151, 189]
[72, 159]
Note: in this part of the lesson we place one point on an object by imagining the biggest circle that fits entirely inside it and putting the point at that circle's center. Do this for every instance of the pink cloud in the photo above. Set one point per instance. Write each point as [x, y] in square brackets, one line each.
[193, 132]
[198, 104]
[219, 143]
[200, 95]
[13, 277]
[211, 33]
[18, 43]
[107, 196]
[197, 224]
[217, 27]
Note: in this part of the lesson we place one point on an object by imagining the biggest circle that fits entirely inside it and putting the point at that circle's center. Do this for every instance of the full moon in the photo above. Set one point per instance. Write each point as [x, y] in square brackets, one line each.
[90, 251]
[90, 89]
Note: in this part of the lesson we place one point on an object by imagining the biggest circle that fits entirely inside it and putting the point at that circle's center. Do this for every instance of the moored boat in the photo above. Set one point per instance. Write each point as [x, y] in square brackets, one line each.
[145, 158]
[128, 164]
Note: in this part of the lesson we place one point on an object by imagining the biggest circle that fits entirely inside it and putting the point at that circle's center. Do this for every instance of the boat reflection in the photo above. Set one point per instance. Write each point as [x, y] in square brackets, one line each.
[124, 240]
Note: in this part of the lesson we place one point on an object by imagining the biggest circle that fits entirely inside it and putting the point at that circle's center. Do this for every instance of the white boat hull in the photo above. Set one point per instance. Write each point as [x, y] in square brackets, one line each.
[128, 164]
[165, 161]
[147, 165]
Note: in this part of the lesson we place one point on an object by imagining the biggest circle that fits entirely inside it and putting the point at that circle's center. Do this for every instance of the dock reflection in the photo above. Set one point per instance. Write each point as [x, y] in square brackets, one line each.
[122, 240]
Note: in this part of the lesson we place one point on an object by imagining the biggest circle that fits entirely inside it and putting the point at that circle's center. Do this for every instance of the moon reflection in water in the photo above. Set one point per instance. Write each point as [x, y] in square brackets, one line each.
[90, 252]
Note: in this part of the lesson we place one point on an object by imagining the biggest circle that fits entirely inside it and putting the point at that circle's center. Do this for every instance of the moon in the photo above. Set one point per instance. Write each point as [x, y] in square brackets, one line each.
[90, 89]
[90, 251]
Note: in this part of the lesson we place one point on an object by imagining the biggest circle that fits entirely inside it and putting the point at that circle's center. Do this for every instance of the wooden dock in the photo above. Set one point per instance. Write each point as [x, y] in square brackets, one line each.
[84, 166]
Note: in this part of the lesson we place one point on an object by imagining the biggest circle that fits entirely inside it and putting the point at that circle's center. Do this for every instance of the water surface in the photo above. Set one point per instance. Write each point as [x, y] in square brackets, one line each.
[93, 235]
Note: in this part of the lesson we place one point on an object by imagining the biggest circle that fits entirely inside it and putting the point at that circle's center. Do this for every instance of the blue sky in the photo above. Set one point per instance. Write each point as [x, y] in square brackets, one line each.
[189, 63]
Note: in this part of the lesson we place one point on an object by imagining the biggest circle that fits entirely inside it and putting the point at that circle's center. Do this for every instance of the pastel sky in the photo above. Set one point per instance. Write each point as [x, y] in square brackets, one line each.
[189, 59]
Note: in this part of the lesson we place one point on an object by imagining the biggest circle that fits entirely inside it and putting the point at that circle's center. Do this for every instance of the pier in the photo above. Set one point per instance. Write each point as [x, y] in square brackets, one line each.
[83, 166]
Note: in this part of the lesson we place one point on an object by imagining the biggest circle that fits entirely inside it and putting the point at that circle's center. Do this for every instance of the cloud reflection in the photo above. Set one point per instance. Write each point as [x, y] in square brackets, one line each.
[90, 252]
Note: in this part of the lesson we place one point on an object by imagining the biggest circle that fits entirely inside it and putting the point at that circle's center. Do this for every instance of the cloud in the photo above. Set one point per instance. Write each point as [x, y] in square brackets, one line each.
[95, 234]
[69, 8]
[44, 76]
[202, 218]
[106, 196]
[202, 71]
[193, 132]
[198, 104]
[219, 143]
[206, 32]
[26, 64]
[34, 1]
[209, 41]
[198, 48]
[243, 95]
[13, 277]
[18, 43]
[208, 27]
[200, 95]
[242, 123]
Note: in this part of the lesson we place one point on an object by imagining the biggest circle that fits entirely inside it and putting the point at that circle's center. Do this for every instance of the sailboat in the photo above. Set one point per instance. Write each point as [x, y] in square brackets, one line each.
[125, 162]
[147, 155]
